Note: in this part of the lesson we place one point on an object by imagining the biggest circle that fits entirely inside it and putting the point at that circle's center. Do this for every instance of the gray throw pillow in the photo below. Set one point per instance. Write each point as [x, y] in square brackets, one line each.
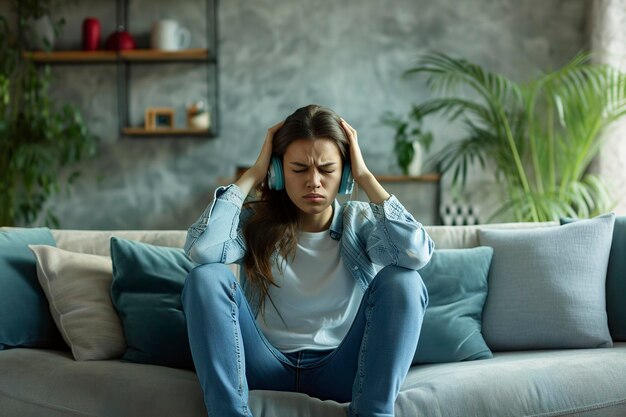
[547, 286]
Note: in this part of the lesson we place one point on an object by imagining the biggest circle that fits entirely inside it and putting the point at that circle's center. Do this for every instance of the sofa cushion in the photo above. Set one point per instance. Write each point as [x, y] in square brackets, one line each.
[456, 280]
[615, 279]
[46, 383]
[77, 287]
[547, 286]
[25, 318]
[577, 382]
[147, 284]
[546, 383]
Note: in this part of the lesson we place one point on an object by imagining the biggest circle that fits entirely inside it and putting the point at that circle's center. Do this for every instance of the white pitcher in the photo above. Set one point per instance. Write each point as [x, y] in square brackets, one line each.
[168, 35]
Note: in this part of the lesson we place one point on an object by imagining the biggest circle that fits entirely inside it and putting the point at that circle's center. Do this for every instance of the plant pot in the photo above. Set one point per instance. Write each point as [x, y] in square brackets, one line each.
[41, 30]
[415, 167]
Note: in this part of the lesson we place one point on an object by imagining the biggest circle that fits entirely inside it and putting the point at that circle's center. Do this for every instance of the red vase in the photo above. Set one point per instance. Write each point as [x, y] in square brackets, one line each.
[91, 34]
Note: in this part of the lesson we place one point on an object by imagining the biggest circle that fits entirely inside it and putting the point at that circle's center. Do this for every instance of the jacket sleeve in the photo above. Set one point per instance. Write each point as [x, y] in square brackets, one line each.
[396, 238]
[217, 236]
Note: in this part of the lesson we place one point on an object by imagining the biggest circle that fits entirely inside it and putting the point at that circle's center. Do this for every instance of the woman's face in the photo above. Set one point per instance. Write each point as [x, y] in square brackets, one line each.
[312, 177]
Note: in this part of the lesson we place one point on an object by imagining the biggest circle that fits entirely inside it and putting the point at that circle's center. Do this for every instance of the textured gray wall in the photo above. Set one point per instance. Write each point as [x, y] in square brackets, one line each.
[608, 42]
[276, 56]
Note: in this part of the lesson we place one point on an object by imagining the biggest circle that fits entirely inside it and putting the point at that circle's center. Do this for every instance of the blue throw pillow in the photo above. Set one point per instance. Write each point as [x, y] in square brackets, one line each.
[147, 284]
[456, 280]
[25, 319]
[615, 279]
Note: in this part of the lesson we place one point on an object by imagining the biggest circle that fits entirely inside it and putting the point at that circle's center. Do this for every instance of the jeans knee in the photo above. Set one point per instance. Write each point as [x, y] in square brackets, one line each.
[207, 279]
[402, 285]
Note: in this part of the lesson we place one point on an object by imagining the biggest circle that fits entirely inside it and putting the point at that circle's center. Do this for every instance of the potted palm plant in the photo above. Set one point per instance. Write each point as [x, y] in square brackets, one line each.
[540, 136]
[37, 136]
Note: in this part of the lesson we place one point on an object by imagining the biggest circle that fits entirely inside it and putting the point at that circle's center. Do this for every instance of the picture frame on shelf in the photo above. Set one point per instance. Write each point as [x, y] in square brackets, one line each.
[159, 118]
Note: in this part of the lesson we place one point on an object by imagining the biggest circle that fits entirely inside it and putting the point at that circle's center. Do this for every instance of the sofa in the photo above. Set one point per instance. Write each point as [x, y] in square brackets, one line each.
[523, 374]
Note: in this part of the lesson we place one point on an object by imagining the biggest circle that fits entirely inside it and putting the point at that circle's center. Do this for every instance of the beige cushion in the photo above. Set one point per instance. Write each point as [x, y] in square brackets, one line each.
[98, 242]
[77, 287]
[459, 237]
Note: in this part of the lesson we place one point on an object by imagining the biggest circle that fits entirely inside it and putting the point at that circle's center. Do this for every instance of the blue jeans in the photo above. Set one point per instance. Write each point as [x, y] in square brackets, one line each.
[232, 356]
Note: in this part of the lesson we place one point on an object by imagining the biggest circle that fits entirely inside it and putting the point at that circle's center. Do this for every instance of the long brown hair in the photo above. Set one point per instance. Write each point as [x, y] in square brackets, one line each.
[273, 225]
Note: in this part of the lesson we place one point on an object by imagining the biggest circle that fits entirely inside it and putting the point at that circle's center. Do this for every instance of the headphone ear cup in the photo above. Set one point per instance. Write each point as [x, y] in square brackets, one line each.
[275, 177]
[347, 182]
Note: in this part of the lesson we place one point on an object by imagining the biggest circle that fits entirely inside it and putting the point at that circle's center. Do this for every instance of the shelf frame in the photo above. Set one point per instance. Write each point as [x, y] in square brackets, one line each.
[124, 59]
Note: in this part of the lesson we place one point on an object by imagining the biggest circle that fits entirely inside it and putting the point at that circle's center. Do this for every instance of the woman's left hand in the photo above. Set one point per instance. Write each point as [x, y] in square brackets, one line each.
[361, 174]
[359, 169]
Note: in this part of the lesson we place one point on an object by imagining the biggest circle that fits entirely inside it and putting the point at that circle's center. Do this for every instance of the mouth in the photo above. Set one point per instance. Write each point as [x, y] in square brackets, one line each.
[314, 197]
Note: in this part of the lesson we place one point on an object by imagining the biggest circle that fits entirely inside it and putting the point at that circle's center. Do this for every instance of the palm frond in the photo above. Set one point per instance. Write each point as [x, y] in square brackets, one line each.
[540, 136]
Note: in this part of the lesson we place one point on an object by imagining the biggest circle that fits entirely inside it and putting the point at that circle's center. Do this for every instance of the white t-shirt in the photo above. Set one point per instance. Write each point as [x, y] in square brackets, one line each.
[317, 297]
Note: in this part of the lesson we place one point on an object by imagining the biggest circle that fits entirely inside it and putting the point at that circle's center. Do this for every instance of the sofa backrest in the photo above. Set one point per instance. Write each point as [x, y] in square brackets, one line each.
[459, 237]
[97, 241]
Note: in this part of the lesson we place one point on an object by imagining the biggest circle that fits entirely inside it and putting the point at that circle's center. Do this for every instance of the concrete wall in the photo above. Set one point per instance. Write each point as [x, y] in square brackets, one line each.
[276, 56]
[608, 43]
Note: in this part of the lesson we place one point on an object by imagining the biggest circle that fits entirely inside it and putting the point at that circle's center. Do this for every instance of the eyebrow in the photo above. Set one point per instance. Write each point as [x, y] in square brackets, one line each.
[303, 165]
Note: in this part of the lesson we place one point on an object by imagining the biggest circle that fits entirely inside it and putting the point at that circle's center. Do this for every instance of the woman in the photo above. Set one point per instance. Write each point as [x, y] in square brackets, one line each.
[313, 311]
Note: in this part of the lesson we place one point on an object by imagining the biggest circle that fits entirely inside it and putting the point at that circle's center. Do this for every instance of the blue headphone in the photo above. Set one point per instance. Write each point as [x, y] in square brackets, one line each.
[276, 178]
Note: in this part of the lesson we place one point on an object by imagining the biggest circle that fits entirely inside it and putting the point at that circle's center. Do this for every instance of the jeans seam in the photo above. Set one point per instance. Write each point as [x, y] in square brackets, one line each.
[362, 354]
[234, 310]
[298, 374]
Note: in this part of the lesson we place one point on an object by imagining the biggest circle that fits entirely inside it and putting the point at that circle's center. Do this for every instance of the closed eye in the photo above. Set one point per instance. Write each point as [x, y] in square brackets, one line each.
[325, 168]
[325, 171]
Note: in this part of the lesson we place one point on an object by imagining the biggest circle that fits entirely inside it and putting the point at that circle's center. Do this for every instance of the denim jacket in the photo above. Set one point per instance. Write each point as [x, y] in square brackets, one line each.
[371, 235]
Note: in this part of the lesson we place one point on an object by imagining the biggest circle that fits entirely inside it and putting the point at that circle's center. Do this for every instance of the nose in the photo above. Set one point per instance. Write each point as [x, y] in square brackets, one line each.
[314, 180]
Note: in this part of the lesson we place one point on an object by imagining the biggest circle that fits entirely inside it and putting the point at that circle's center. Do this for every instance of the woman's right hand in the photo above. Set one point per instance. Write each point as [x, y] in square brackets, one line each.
[257, 173]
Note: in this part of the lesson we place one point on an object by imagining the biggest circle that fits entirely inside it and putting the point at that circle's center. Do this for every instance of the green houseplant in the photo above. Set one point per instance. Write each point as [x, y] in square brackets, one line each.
[38, 28]
[37, 138]
[408, 130]
[539, 136]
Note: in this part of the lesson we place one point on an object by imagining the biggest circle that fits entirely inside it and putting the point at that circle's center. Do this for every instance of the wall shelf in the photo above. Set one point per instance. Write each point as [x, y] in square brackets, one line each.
[151, 55]
[70, 56]
[137, 55]
[127, 59]
[408, 178]
[140, 131]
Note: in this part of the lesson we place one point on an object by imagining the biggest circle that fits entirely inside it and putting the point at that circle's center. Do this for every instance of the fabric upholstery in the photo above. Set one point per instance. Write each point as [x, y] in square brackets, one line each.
[98, 242]
[615, 280]
[547, 286]
[25, 319]
[456, 280]
[147, 284]
[546, 383]
[459, 237]
[537, 383]
[77, 287]
[572, 383]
